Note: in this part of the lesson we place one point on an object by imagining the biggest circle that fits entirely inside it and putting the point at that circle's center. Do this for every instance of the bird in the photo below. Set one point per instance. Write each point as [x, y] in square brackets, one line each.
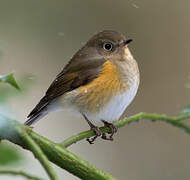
[99, 82]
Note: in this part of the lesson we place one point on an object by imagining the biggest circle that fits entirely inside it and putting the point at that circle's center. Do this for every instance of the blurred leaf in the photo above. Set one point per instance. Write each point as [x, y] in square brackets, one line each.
[186, 110]
[8, 154]
[9, 79]
[25, 82]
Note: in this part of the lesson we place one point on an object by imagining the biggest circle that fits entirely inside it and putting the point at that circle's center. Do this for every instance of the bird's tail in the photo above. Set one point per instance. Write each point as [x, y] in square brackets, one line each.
[42, 108]
[38, 112]
[33, 119]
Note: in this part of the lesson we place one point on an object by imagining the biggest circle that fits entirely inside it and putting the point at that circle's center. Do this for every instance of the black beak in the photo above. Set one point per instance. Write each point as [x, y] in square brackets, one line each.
[127, 41]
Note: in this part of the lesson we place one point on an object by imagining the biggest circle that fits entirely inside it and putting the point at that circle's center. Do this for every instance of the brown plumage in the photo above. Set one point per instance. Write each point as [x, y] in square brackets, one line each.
[72, 76]
[99, 82]
[106, 85]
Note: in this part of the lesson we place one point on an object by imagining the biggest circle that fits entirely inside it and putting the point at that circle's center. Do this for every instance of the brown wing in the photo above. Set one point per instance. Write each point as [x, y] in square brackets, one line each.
[78, 72]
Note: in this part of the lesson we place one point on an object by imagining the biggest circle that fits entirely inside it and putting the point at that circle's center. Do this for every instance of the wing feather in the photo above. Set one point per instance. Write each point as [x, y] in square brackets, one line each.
[76, 73]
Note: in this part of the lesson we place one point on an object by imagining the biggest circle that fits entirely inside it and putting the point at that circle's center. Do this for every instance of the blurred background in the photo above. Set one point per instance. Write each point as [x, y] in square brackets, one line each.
[37, 38]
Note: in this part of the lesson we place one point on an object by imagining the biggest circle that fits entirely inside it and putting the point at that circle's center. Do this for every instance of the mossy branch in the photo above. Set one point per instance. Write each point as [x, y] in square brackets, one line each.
[59, 155]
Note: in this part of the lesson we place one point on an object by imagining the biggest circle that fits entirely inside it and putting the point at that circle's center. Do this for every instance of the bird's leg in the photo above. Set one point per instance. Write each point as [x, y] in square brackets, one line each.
[94, 128]
[113, 131]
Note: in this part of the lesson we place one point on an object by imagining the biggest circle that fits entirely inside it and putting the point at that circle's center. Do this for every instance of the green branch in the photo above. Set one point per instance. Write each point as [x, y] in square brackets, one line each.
[38, 153]
[13, 131]
[176, 121]
[17, 133]
[19, 173]
[69, 161]
[59, 155]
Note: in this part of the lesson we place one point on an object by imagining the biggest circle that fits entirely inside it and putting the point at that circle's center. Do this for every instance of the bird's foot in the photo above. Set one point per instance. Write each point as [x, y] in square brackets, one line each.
[113, 131]
[94, 128]
[97, 134]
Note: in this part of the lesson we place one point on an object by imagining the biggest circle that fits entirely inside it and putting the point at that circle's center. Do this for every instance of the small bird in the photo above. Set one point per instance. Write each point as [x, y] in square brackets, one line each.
[99, 82]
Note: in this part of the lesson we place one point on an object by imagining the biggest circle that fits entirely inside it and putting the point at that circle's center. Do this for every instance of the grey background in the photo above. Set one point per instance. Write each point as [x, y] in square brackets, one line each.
[39, 37]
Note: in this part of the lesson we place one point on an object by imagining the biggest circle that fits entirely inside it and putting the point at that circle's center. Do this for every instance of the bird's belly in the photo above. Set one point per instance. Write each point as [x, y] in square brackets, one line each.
[106, 97]
[114, 108]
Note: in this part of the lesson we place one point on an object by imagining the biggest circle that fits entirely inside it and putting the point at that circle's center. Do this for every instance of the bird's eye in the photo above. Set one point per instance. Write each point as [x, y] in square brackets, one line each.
[108, 46]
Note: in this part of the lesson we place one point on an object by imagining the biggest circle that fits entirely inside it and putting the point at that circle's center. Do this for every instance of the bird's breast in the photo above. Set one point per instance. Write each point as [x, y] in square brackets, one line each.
[107, 96]
[97, 93]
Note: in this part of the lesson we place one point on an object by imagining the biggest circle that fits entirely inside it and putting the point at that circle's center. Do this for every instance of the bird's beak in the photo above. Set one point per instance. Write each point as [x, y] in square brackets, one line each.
[127, 41]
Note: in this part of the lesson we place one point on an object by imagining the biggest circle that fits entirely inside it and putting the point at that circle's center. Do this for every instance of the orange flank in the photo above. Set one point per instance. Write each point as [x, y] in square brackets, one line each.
[97, 93]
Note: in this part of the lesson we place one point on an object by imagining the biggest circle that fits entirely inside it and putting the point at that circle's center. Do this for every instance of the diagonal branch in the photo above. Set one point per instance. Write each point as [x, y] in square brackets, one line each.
[69, 161]
[175, 121]
[59, 155]
[17, 133]
[13, 131]
[19, 173]
[38, 153]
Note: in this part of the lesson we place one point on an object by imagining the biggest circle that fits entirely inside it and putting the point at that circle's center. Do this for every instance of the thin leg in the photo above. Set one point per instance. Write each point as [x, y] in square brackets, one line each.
[113, 131]
[95, 129]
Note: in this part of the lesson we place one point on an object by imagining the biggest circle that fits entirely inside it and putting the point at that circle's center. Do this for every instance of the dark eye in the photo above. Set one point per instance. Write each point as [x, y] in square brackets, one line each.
[108, 46]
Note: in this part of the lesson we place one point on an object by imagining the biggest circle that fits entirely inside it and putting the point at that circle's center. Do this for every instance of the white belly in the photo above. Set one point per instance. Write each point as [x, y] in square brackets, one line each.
[115, 107]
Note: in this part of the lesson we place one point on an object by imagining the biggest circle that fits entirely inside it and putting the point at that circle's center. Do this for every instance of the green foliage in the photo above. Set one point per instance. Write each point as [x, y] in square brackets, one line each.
[8, 155]
[10, 80]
